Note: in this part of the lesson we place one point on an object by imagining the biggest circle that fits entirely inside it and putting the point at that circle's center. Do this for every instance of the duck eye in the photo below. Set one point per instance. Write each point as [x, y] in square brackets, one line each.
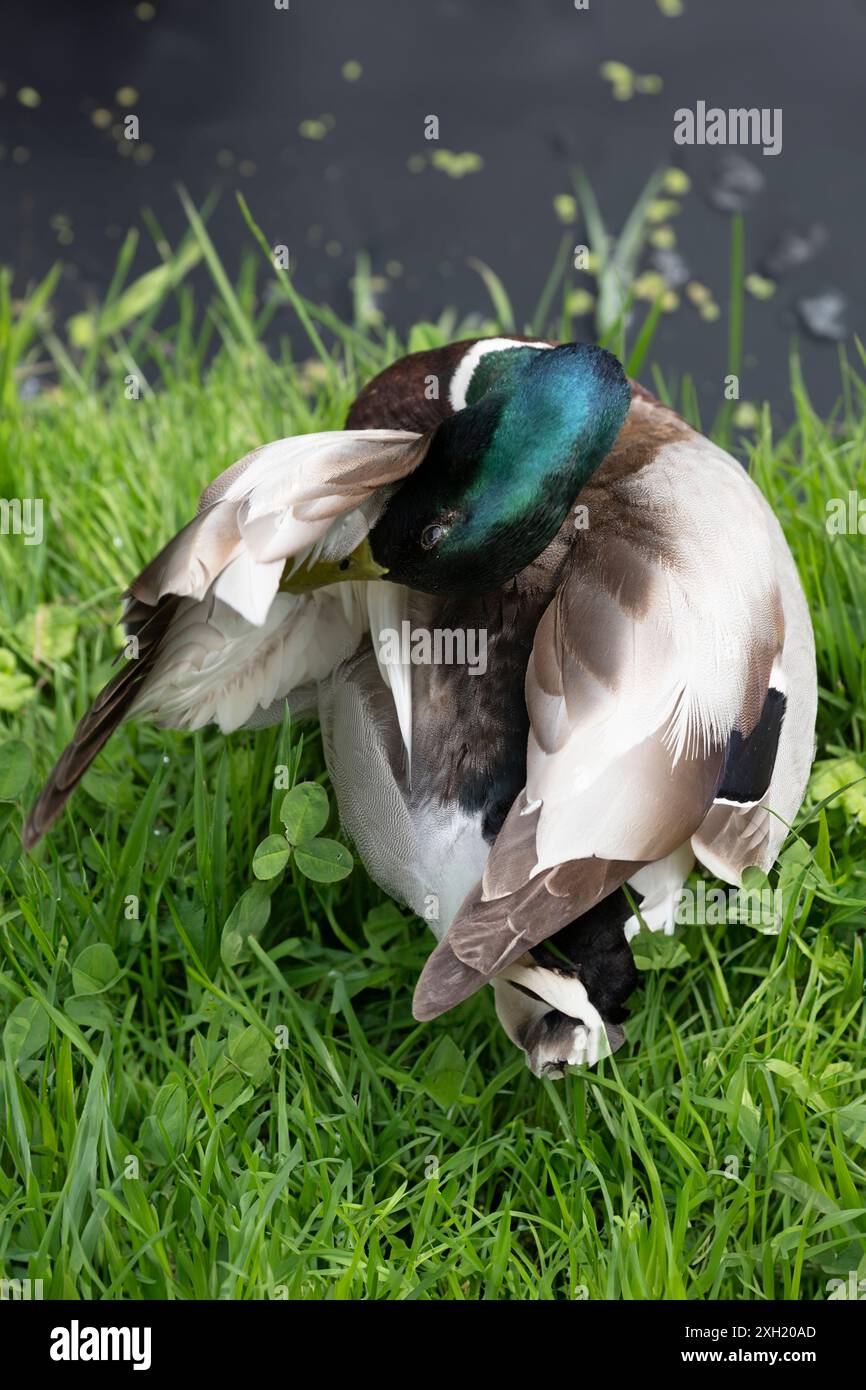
[432, 535]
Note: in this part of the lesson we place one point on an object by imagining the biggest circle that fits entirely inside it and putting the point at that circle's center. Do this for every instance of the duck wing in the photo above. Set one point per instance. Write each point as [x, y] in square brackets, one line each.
[211, 637]
[649, 677]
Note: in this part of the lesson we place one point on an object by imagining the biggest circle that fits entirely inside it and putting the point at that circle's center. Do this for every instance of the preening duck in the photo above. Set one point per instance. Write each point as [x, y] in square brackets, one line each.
[649, 694]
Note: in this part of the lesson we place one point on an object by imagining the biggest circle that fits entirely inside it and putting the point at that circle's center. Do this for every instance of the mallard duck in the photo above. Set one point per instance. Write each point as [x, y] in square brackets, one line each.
[650, 688]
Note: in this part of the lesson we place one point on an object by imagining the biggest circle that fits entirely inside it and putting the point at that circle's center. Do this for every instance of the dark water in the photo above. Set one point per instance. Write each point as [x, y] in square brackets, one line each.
[517, 84]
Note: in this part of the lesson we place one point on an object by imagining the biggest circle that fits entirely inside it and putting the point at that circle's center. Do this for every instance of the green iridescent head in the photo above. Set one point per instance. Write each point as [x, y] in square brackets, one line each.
[501, 474]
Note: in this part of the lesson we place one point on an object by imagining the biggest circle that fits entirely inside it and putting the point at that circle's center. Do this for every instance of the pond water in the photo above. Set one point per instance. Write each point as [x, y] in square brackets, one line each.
[318, 113]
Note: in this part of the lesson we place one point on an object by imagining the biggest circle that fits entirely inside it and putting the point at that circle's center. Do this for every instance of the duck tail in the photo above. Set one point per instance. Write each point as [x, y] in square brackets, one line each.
[489, 934]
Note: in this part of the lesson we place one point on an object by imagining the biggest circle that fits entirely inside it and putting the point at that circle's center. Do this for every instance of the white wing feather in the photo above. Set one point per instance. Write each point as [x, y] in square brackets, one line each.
[647, 686]
[237, 643]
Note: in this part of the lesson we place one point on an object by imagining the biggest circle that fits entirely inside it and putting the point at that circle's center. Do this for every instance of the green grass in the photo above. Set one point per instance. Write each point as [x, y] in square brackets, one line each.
[178, 1128]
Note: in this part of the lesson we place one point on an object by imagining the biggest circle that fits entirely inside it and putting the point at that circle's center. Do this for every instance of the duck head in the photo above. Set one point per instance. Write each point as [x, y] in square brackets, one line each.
[500, 475]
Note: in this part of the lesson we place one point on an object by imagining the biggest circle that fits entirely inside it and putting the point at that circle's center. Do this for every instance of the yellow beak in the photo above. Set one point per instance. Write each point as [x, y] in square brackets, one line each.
[359, 565]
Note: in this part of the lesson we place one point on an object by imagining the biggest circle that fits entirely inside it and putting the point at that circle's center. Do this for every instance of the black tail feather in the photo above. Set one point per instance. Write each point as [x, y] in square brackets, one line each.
[108, 710]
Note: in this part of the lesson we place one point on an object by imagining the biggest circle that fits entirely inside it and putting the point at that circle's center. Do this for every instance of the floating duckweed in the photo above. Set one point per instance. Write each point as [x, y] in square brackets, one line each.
[565, 207]
[143, 154]
[670, 301]
[333, 248]
[101, 118]
[394, 269]
[61, 225]
[676, 181]
[313, 129]
[579, 302]
[746, 416]
[456, 165]
[352, 70]
[225, 159]
[621, 78]
[145, 11]
[710, 311]
[759, 286]
[663, 237]
[247, 168]
[660, 209]
[126, 96]
[671, 9]
[625, 82]
[28, 96]
[416, 163]
[20, 154]
[698, 293]
[650, 285]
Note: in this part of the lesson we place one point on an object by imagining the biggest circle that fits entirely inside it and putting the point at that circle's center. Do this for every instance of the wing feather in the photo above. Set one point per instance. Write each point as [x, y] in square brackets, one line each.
[653, 650]
[214, 638]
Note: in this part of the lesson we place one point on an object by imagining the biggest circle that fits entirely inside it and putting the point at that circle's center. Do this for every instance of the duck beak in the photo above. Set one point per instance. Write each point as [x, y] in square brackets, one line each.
[359, 565]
